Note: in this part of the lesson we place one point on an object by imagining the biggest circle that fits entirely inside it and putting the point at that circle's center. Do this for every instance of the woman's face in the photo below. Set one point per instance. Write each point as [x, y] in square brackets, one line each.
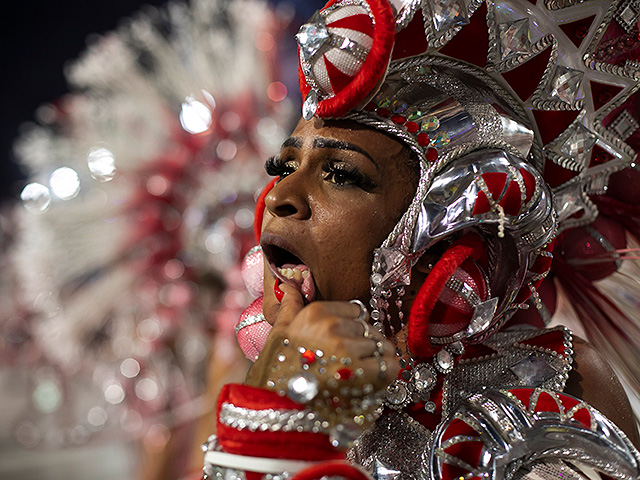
[343, 188]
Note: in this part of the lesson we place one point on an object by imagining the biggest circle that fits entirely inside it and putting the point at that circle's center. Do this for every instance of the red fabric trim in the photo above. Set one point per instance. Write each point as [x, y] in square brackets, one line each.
[551, 124]
[260, 207]
[458, 427]
[469, 452]
[523, 394]
[482, 204]
[360, 23]
[451, 472]
[511, 201]
[603, 93]
[495, 182]
[411, 41]
[422, 308]
[583, 416]
[525, 79]
[555, 175]
[546, 403]
[576, 31]
[568, 402]
[290, 445]
[599, 156]
[332, 469]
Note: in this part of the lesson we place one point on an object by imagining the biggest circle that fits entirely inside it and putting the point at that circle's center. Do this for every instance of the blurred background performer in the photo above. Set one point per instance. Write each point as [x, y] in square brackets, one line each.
[121, 261]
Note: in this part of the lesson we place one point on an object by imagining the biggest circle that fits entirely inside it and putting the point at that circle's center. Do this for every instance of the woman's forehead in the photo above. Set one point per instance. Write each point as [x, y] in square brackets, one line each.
[343, 135]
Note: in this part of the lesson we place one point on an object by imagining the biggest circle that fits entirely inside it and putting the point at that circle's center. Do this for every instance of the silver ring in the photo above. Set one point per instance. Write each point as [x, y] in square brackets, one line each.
[361, 318]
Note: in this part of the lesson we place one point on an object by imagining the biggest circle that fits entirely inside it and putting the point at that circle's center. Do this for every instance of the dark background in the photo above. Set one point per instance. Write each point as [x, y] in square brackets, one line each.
[36, 39]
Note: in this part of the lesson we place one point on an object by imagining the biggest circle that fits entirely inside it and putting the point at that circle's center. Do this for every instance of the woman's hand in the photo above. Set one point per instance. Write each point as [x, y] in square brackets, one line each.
[337, 352]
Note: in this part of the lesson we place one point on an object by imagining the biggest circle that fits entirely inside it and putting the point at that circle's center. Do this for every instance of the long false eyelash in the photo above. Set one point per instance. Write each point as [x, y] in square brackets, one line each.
[275, 167]
[271, 166]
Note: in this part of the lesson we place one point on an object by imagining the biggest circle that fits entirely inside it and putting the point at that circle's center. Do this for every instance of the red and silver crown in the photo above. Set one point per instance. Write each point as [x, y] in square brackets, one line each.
[567, 62]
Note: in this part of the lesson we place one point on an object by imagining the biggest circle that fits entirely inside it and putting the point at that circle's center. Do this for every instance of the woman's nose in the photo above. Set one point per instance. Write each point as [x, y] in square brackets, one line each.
[288, 199]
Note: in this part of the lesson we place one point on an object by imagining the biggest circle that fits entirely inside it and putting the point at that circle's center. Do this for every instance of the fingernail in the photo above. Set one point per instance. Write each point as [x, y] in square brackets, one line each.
[279, 293]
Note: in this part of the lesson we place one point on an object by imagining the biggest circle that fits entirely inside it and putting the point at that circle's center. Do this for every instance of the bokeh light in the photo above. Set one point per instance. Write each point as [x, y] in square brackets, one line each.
[36, 197]
[195, 116]
[101, 162]
[65, 183]
[277, 91]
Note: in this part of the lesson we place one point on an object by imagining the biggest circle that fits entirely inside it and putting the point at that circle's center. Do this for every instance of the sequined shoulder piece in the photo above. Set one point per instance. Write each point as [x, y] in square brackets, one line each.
[396, 447]
[524, 358]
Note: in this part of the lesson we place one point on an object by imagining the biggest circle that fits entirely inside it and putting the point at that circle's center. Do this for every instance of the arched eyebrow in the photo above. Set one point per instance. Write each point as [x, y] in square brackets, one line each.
[294, 142]
[322, 142]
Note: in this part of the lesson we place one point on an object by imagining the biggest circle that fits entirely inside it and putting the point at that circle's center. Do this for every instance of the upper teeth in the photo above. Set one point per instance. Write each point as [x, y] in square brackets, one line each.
[293, 273]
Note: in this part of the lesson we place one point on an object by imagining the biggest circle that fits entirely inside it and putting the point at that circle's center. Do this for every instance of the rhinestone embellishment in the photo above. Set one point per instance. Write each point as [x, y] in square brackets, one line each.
[303, 387]
[312, 36]
[514, 38]
[448, 14]
[565, 84]
[482, 316]
[579, 143]
[310, 105]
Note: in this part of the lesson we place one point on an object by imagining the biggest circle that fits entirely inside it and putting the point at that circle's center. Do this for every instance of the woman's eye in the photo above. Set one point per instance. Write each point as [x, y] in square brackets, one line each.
[277, 167]
[344, 175]
[339, 178]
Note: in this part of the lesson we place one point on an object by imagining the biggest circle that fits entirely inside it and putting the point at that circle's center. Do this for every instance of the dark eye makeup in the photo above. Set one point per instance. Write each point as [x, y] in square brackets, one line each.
[336, 172]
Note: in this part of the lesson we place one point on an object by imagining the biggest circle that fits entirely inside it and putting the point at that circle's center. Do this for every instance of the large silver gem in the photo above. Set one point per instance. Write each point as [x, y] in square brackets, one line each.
[391, 267]
[310, 105]
[514, 38]
[424, 378]
[447, 14]
[482, 316]
[579, 144]
[312, 36]
[444, 361]
[302, 387]
[533, 370]
[397, 394]
[565, 84]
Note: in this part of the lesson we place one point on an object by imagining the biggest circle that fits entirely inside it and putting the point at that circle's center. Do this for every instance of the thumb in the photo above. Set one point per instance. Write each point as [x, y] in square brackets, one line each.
[291, 304]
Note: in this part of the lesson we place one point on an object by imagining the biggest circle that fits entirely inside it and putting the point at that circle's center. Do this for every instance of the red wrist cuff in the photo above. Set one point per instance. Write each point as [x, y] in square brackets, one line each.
[268, 439]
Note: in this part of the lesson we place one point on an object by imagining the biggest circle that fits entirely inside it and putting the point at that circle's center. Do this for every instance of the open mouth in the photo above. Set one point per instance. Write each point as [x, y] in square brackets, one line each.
[289, 269]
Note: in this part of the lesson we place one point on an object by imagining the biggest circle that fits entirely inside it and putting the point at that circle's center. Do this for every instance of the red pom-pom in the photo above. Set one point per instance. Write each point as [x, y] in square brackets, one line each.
[351, 93]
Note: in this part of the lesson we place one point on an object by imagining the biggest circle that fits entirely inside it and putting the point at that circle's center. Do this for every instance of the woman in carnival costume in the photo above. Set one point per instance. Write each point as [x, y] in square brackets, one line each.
[444, 146]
